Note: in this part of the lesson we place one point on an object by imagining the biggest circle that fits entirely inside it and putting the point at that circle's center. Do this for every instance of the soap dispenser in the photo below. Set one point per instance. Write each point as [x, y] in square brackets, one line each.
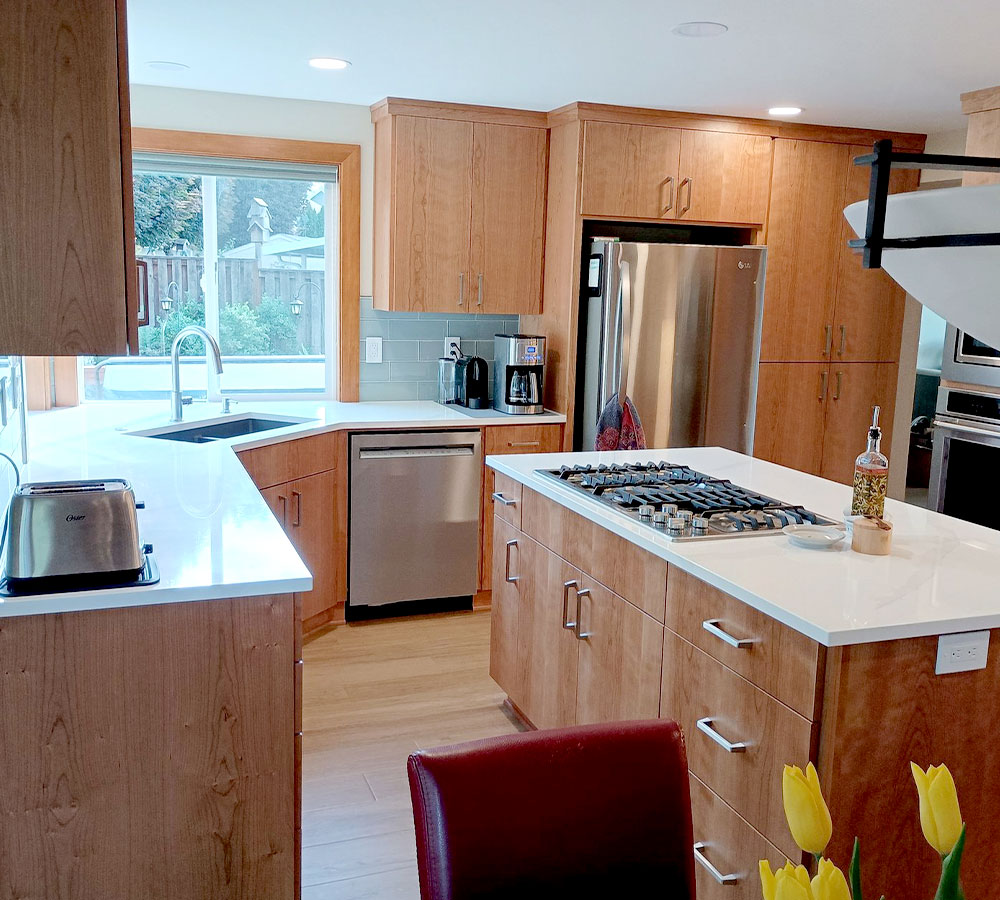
[871, 475]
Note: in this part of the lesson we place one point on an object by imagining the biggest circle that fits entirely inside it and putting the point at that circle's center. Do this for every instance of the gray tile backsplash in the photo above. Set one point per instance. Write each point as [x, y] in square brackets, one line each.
[412, 344]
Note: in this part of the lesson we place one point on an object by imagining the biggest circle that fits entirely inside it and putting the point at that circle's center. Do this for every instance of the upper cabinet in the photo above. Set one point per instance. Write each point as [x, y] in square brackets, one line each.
[459, 208]
[67, 256]
[655, 172]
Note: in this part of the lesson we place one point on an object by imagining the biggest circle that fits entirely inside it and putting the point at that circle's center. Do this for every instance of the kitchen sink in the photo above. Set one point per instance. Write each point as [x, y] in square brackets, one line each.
[219, 430]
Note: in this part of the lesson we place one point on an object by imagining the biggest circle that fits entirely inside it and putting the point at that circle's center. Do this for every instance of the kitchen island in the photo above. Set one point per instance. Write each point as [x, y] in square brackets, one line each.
[766, 653]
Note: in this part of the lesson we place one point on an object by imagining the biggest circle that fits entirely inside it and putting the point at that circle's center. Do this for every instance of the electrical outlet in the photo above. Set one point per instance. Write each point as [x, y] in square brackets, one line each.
[373, 350]
[964, 652]
[448, 341]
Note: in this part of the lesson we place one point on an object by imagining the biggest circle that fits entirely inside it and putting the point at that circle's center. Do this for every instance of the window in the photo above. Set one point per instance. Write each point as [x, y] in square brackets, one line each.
[246, 249]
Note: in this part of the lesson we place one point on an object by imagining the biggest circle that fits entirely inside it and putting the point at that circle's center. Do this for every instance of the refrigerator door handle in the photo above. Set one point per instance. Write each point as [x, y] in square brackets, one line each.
[625, 280]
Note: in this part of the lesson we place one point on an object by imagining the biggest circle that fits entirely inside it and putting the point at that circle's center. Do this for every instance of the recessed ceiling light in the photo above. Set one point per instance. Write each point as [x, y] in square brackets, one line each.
[700, 29]
[784, 110]
[167, 65]
[328, 62]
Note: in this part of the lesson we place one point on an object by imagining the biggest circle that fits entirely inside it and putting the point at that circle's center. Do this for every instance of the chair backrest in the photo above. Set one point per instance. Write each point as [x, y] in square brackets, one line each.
[594, 811]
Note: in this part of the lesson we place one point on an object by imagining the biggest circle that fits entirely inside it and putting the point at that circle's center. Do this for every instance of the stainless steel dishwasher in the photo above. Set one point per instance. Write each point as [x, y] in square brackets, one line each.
[414, 516]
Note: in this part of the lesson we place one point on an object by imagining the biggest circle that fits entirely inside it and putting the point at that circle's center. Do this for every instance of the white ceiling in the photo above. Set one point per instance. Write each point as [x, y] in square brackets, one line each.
[897, 64]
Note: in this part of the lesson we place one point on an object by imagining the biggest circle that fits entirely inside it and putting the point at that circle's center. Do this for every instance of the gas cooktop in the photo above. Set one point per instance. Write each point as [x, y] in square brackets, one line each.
[682, 504]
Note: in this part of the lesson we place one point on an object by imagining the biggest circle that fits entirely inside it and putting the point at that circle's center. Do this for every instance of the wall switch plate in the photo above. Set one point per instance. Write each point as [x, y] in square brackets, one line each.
[373, 350]
[964, 652]
[448, 341]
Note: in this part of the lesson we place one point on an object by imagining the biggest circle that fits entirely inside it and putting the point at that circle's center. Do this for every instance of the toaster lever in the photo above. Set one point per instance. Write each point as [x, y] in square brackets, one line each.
[140, 504]
[147, 549]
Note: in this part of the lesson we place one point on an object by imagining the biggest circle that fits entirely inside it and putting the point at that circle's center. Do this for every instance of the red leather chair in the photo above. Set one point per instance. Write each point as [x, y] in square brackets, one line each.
[599, 811]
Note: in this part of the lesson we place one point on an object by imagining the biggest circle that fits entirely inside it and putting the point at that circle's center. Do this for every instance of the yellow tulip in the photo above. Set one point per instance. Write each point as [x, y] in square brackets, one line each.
[768, 886]
[792, 883]
[940, 816]
[830, 883]
[806, 810]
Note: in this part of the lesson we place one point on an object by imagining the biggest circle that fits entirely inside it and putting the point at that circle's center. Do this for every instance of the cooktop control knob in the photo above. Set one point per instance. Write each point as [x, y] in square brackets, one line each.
[669, 509]
[677, 524]
[699, 525]
[660, 519]
[645, 511]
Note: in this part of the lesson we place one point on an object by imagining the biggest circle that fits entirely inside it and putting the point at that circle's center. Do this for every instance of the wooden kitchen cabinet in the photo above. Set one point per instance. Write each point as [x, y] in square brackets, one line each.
[508, 564]
[654, 172]
[68, 253]
[312, 526]
[459, 208]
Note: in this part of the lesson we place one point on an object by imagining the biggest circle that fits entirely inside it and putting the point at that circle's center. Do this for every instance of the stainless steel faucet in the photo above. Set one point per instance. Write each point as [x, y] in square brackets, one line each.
[212, 352]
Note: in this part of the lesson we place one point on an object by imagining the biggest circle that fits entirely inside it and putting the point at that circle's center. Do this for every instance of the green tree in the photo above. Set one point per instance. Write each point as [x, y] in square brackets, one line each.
[167, 208]
[156, 341]
[280, 326]
[241, 332]
[286, 202]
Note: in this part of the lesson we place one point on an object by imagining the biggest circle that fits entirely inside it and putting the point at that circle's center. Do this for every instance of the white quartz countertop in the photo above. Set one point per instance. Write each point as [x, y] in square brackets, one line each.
[941, 576]
[213, 535]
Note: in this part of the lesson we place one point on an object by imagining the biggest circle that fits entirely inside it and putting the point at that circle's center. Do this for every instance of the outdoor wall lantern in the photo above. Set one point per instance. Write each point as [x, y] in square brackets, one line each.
[296, 303]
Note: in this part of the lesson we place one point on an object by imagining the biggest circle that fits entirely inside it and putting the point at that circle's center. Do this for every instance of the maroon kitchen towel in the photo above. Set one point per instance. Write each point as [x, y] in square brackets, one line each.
[619, 427]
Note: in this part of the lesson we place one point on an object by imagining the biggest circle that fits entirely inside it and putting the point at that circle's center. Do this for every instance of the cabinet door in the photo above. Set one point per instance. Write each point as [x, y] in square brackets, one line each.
[803, 231]
[629, 171]
[546, 649]
[508, 581]
[277, 500]
[312, 527]
[508, 218]
[854, 389]
[618, 674]
[67, 262]
[432, 187]
[791, 412]
[868, 322]
[723, 177]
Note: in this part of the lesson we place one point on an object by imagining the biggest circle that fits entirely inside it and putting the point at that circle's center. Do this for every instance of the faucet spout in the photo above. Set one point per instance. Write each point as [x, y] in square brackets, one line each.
[212, 353]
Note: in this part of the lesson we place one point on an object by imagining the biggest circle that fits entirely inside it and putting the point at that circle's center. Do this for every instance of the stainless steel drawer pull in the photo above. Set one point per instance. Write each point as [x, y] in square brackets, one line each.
[705, 727]
[581, 635]
[713, 628]
[843, 341]
[706, 864]
[297, 497]
[500, 498]
[506, 566]
[524, 443]
[479, 295]
[828, 339]
[461, 288]
[567, 587]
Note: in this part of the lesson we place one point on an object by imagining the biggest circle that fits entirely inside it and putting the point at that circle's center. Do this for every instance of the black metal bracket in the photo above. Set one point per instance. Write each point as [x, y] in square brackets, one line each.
[882, 160]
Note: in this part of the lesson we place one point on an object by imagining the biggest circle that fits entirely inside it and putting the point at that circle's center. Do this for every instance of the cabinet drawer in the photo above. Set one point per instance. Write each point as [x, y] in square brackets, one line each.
[506, 499]
[698, 689]
[523, 439]
[294, 458]
[778, 659]
[730, 845]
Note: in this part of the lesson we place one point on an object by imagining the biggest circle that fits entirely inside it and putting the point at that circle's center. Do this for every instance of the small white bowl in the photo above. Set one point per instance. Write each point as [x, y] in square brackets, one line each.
[815, 537]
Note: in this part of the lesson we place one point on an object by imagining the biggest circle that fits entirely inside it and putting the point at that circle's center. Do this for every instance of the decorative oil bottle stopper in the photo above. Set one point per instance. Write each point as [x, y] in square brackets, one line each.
[871, 475]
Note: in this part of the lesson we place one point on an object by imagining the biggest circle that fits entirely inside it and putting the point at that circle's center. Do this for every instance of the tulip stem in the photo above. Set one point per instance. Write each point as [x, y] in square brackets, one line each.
[854, 872]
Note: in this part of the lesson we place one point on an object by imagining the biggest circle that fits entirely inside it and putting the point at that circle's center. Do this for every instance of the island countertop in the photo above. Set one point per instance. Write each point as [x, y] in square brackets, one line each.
[940, 578]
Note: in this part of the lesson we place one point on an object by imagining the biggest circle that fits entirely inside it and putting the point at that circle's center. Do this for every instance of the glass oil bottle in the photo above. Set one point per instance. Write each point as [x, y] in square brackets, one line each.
[871, 475]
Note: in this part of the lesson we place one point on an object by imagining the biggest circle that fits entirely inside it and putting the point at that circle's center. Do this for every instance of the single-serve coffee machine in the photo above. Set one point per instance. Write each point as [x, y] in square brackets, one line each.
[518, 363]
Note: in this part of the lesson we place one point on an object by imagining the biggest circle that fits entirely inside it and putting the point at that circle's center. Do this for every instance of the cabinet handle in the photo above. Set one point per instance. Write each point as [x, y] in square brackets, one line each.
[712, 627]
[297, 497]
[827, 340]
[567, 587]
[705, 727]
[142, 313]
[284, 509]
[669, 182]
[524, 443]
[500, 498]
[461, 288]
[706, 864]
[836, 390]
[581, 635]
[822, 386]
[843, 341]
[689, 182]
[510, 579]
[479, 294]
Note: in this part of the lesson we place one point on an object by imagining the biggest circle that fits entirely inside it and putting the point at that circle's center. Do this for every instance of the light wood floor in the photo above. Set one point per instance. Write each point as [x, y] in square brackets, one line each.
[373, 694]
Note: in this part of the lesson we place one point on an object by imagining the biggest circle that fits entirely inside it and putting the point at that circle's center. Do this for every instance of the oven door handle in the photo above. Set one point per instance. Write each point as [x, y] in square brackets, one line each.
[979, 431]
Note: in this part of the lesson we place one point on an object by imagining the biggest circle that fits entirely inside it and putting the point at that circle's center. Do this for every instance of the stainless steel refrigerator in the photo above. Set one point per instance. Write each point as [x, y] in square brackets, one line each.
[678, 327]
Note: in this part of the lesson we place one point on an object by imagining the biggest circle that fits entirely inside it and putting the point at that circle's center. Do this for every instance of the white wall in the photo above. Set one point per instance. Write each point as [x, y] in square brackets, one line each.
[944, 142]
[185, 110]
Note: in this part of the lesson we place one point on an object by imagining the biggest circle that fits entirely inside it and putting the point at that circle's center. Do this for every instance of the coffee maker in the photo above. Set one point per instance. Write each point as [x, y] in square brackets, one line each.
[518, 363]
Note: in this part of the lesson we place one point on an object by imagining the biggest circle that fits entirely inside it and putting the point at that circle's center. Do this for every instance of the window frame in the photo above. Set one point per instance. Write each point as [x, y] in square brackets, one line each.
[343, 349]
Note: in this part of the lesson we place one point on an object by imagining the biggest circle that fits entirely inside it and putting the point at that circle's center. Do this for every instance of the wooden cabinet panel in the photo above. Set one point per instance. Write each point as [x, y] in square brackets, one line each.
[287, 460]
[627, 570]
[780, 660]
[508, 218]
[509, 490]
[854, 389]
[546, 649]
[731, 845]
[505, 668]
[523, 439]
[804, 226]
[695, 687]
[869, 313]
[629, 171]
[791, 413]
[67, 260]
[724, 177]
[432, 196]
[311, 525]
[277, 499]
[618, 674]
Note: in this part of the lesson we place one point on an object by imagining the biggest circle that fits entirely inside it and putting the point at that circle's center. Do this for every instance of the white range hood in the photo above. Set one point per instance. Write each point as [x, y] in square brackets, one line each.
[960, 284]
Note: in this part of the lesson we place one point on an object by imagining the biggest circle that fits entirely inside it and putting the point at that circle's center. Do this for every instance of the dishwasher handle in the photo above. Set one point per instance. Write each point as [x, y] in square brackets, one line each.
[416, 452]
